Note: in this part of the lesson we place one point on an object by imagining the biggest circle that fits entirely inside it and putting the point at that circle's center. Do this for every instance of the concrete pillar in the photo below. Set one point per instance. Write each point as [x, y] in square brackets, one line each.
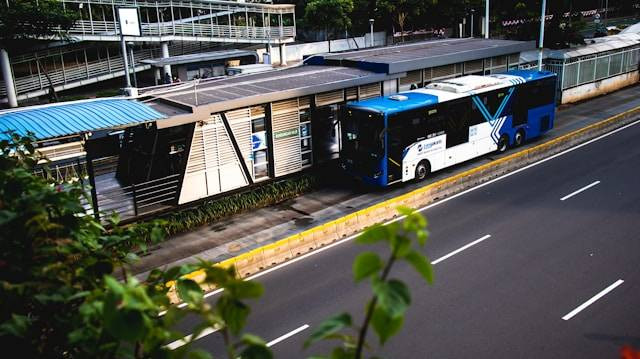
[268, 56]
[158, 76]
[7, 75]
[165, 54]
[283, 54]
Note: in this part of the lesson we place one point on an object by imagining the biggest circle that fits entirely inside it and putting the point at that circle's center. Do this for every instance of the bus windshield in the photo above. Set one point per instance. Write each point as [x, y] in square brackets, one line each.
[363, 135]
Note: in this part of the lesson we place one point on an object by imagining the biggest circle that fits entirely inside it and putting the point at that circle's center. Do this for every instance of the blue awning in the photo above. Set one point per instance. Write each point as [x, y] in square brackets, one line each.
[66, 119]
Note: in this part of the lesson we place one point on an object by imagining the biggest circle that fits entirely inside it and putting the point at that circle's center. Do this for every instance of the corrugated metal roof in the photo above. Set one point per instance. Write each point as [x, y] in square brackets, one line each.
[424, 54]
[598, 45]
[51, 121]
[633, 29]
[251, 89]
[200, 57]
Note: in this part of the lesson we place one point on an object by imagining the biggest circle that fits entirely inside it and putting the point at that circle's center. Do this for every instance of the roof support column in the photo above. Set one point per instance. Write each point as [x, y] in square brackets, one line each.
[7, 75]
[165, 54]
[283, 54]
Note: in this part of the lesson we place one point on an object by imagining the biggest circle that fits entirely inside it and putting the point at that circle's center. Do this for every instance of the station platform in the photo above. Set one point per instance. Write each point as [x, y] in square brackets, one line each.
[242, 232]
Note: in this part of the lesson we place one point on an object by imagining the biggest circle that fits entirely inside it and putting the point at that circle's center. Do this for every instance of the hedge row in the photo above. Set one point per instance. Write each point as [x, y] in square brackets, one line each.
[208, 212]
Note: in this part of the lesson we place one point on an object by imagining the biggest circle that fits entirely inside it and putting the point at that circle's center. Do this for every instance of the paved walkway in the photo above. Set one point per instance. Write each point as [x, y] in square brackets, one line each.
[236, 234]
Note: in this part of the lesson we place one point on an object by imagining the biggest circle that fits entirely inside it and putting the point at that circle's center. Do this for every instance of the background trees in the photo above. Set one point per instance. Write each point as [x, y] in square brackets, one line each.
[331, 16]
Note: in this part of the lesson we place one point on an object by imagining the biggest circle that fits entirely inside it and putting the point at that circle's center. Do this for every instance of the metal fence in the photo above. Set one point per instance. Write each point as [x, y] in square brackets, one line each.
[138, 198]
[587, 69]
[67, 74]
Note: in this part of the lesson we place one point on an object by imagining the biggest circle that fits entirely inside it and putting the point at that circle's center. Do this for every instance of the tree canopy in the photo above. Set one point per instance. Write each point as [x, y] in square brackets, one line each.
[33, 20]
[328, 15]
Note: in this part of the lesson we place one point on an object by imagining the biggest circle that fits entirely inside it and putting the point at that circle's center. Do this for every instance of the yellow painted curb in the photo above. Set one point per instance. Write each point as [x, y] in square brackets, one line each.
[357, 221]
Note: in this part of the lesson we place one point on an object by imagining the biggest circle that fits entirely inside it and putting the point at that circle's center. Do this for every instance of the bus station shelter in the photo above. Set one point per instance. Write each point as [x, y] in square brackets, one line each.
[208, 138]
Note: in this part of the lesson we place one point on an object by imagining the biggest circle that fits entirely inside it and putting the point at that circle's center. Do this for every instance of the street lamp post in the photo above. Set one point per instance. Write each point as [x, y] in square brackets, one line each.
[542, 18]
[486, 19]
[472, 12]
[371, 21]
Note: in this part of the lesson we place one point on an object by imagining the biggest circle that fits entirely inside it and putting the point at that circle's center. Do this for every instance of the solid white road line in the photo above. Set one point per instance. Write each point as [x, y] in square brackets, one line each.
[288, 335]
[461, 249]
[180, 342]
[592, 300]
[579, 191]
[320, 250]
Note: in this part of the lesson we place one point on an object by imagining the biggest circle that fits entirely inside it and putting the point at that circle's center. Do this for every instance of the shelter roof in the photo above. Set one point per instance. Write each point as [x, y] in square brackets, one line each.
[72, 118]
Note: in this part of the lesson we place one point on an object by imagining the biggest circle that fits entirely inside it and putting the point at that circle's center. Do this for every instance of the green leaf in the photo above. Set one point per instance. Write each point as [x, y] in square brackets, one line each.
[422, 265]
[329, 327]
[256, 351]
[113, 285]
[172, 273]
[342, 353]
[405, 211]
[385, 325]
[233, 312]
[157, 234]
[126, 324]
[189, 291]
[199, 354]
[365, 265]
[217, 275]
[414, 222]
[375, 234]
[242, 289]
[401, 246]
[393, 297]
[252, 339]
[422, 235]
[16, 326]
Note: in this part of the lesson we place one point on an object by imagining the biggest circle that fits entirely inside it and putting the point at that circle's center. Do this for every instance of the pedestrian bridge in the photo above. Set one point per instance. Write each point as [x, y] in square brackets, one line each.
[194, 20]
[168, 28]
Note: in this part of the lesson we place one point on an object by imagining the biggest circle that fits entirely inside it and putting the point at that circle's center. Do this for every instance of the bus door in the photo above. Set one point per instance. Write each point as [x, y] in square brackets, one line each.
[396, 146]
[326, 133]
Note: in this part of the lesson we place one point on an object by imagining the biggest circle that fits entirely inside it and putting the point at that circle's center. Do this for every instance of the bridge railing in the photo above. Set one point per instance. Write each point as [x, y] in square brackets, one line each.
[110, 28]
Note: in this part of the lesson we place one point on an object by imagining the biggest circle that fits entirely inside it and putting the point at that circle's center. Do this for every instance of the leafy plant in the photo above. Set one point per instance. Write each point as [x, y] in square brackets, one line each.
[60, 298]
[58, 293]
[391, 297]
[210, 211]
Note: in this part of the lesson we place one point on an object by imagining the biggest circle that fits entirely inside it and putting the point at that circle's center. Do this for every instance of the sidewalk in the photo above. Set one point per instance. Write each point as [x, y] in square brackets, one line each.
[240, 233]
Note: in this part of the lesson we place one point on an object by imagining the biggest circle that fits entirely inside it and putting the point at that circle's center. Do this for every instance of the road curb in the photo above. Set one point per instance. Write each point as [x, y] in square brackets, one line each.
[285, 249]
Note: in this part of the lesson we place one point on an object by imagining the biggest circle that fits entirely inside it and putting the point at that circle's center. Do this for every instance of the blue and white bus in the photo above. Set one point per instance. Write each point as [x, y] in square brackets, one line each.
[406, 136]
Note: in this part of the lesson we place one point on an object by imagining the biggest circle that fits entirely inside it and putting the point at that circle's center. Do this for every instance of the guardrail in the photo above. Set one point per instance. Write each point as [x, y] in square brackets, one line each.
[298, 244]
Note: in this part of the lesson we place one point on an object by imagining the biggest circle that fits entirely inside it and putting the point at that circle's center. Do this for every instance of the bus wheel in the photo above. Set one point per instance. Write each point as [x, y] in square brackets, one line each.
[503, 143]
[422, 170]
[518, 139]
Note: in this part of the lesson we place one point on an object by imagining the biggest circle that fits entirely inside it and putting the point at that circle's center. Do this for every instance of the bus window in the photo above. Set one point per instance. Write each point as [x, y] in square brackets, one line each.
[457, 124]
[363, 134]
[434, 122]
[408, 126]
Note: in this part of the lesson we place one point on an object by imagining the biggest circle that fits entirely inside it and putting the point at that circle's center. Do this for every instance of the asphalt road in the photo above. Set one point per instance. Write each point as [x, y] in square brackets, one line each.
[505, 296]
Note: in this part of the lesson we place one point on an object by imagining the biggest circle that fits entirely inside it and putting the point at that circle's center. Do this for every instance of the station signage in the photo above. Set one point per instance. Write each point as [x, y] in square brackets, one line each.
[258, 141]
[129, 21]
[293, 132]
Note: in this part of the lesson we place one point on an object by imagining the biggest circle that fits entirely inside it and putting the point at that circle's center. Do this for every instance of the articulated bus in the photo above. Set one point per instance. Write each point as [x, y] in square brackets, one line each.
[406, 136]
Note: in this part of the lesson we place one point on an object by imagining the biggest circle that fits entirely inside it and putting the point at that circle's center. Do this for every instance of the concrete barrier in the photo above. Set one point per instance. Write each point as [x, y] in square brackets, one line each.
[298, 244]
[250, 263]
